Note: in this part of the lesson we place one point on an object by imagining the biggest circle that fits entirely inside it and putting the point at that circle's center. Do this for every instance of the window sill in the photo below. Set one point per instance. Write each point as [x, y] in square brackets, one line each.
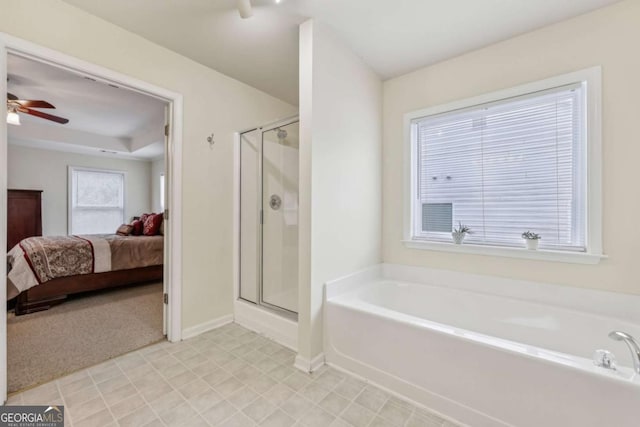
[540, 254]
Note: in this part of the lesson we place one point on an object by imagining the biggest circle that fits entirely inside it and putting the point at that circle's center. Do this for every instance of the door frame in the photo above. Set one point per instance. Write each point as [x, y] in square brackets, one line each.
[173, 187]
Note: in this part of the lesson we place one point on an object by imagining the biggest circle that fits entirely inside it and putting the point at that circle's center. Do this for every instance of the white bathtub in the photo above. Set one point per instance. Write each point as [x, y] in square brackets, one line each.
[486, 351]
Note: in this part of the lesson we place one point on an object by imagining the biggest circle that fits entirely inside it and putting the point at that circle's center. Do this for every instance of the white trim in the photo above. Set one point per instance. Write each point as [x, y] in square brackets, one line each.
[194, 331]
[308, 366]
[264, 321]
[173, 260]
[236, 215]
[503, 251]
[592, 77]
[3, 225]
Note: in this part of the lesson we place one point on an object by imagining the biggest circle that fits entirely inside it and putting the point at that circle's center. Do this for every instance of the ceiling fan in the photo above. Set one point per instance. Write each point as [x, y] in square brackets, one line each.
[15, 106]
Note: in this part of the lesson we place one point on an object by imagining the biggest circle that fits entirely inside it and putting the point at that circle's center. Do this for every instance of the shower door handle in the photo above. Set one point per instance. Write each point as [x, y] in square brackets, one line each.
[275, 202]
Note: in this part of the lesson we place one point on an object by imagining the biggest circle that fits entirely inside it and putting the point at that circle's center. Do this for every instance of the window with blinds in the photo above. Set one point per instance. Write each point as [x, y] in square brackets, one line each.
[503, 168]
[96, 201]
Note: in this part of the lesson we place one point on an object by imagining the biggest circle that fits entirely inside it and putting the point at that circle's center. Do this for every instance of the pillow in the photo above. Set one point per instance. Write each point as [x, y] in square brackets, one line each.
[138, 226]
[124, 230]
[144, 217]
[161, 231]
[152, 224]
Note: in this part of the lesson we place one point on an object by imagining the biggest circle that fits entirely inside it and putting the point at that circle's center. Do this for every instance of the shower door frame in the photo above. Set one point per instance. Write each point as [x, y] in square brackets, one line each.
[259, 262]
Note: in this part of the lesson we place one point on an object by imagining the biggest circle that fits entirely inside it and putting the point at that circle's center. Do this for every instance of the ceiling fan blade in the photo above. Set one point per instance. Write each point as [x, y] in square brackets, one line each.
[32, 103]
[11, 97]
[43, 115]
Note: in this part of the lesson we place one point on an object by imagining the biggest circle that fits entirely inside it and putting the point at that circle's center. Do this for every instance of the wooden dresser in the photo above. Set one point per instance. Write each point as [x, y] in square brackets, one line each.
[24, 215]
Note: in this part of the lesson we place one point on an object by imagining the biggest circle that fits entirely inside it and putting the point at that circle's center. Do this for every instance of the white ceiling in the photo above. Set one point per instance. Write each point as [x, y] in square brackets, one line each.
[102, 118]
[393, 36]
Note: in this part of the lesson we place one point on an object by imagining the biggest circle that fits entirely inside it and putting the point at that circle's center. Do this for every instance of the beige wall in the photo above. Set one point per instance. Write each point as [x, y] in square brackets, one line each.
[608, 37]
[212, 103]
[340, 172]
[47, 170]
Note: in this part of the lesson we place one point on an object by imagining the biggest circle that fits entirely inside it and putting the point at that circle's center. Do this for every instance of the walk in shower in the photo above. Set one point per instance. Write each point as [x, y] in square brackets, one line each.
[269, 216]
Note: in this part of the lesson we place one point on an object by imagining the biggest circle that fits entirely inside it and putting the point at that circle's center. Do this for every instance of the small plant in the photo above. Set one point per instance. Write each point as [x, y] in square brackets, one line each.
[529, 235]
[462, 229]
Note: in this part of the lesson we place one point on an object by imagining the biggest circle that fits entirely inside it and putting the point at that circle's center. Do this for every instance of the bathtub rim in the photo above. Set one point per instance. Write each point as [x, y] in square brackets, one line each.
[581, 364]
[621, 306]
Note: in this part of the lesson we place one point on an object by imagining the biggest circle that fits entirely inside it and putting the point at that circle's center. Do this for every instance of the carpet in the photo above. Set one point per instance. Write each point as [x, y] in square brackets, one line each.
[81, 332]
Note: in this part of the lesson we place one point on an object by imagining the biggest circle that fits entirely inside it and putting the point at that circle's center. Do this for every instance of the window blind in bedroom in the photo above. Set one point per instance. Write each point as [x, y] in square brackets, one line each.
[96, 201]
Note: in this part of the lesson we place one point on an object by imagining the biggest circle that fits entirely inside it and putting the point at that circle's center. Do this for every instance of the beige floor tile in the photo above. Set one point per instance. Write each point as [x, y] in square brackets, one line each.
[193, 388]
[243, 397]
[227, 377]
[99, 419]
[74, 399]
[372, 398]
[114, 383]
[228, 387]
[87, 409]
[204, 401]
[141, 416]
[259, 409]
[261, 383]
[216, 377]
[167, 402]
[127, 406]
[317, 417]
[314, 392]
[278, 419]
[278, 394]
[334, 403]
[239, 420]
[179, 416]
[297, 380]
[357, 415]
[115, 396]
[296, 406]
[218, 413]
[75, 386]
[394, 414]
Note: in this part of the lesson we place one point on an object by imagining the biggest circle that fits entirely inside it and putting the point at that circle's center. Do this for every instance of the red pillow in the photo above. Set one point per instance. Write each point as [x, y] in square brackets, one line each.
[152, 224]
[137, 227]
[144, 217]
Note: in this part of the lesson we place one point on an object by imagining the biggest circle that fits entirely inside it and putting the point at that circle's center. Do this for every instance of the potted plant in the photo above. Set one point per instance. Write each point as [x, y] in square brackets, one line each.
[459, 233]
[532, 239]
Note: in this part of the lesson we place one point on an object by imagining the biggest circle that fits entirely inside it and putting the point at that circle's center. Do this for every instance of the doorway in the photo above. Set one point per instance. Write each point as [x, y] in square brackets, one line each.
[173, 147]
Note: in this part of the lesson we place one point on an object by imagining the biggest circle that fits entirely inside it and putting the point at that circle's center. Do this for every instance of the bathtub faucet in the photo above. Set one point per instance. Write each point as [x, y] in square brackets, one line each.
[633, 346]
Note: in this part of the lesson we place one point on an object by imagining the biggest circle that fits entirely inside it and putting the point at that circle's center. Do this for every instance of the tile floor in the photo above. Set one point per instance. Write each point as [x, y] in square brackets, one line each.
[226, 377]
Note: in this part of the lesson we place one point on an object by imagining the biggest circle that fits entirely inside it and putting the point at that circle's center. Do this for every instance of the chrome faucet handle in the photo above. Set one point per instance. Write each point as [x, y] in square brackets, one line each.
[604, 359]
[633, 347]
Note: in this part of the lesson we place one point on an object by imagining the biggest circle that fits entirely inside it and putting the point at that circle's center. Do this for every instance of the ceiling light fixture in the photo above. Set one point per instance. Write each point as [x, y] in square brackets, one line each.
[244, 8]
[13, 118]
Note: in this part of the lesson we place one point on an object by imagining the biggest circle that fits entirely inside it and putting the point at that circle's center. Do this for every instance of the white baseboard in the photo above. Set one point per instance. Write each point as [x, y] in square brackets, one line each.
[280, 329]
[307, 365]
[196, 330]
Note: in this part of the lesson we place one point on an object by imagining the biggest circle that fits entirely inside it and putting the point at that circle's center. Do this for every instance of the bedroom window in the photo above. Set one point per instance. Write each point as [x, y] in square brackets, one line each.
[96, 201]
[505, 163]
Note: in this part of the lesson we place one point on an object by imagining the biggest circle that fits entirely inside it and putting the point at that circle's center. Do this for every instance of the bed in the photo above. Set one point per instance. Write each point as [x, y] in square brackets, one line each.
[43, 271]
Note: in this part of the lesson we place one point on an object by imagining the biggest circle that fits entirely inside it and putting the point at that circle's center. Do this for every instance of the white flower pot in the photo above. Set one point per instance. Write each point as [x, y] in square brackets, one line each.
[532, 244]
[458, 237]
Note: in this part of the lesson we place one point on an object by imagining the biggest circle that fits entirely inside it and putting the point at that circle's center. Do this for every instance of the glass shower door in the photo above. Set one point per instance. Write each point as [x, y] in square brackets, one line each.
[280, 217]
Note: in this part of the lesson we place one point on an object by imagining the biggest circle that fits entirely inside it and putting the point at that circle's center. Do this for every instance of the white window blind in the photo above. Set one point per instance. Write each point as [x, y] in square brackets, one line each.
[97, 201]
[503, 168]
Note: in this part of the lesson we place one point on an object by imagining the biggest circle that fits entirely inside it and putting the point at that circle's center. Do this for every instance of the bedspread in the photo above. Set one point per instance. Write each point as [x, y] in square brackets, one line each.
[37, 260]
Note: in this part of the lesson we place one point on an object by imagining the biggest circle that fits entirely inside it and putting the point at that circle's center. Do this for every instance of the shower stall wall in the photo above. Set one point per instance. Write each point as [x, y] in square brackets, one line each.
[269, 216]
